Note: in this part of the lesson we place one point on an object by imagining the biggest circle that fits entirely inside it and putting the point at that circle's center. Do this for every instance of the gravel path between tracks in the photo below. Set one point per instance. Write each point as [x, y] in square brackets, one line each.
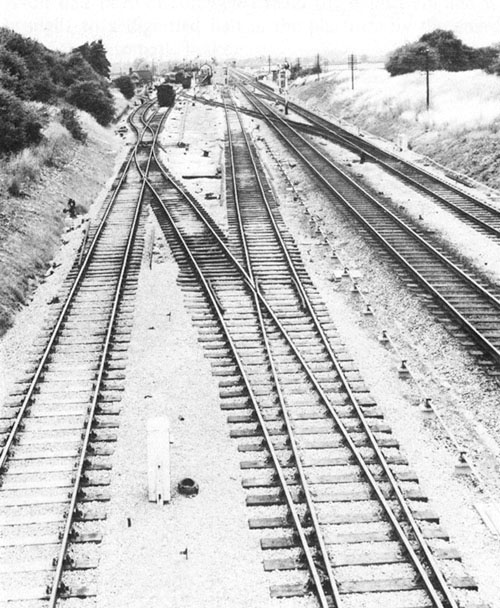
[466, 398]
[193, 551]
[192, 148]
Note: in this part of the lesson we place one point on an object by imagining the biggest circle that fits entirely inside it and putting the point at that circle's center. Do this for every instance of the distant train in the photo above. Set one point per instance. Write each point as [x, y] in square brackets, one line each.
[166, 95]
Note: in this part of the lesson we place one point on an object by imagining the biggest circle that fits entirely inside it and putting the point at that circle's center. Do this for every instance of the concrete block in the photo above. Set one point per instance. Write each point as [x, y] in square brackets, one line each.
[158, 440]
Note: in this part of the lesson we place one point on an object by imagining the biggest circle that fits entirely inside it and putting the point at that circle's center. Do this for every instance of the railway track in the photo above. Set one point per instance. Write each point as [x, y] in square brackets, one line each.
[477, 213]
[343, 516]
[457, 293]
[58, 427]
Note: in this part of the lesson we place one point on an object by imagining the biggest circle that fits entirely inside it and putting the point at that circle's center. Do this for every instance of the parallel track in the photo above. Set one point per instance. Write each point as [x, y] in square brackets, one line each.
[58, 428]
[477, 213]
[323, 459]
[465, 298]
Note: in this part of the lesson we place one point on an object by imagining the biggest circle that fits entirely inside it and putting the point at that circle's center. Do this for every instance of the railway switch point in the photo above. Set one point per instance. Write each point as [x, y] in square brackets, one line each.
[158, 443]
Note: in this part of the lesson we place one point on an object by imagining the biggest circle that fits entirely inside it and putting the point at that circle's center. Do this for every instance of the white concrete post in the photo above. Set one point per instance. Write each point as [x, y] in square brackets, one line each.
[158, 460]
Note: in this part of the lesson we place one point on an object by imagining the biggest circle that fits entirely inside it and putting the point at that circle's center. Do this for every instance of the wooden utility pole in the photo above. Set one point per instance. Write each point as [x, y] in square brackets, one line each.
[351, 62]
[269, 64]
[427, 87]
[318, 65]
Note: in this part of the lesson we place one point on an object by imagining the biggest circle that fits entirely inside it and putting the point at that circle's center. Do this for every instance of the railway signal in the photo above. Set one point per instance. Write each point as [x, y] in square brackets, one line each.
[283, 78]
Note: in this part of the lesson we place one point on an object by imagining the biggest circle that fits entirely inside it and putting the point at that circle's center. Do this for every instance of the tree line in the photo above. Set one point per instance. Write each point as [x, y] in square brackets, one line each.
[442, 50]
[29, 72]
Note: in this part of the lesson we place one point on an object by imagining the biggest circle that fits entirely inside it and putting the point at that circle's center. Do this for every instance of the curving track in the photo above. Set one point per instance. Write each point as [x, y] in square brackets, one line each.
[58, 429]
[479, 214]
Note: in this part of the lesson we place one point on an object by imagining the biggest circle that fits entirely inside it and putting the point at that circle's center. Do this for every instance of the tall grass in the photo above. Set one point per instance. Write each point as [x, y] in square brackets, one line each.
[26, 167]
[459, 100]
[461, 128]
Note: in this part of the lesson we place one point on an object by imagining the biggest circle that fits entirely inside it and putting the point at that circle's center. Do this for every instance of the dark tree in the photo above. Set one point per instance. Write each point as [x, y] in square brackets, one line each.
[410, 58]
[92, 97]
[446, 50]
[13, 73]
[76, 68]
[453, 54]
[125, 85]
[95, 54]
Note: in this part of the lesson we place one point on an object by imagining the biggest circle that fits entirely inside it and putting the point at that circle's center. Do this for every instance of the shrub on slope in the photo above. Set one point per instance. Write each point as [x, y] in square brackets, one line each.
[32, 72]
[19, 126]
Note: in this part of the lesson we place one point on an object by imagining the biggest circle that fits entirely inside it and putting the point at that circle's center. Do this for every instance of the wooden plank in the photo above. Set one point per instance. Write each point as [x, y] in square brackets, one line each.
[80, 591]
[462, 582]
[287, 542]
[380, 585]
[282, 563]
[290, 590]
[348, 558]
[257, 523]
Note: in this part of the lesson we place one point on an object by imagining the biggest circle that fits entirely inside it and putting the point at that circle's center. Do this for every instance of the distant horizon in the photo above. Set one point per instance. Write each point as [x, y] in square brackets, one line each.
[247, 29]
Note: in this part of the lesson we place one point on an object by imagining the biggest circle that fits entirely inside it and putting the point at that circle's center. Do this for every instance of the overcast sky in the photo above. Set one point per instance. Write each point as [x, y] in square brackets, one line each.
[170, 29]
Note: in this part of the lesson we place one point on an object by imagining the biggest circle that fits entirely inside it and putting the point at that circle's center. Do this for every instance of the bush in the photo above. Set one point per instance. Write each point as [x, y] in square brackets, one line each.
[14, 188]
[19, 127]
[94, 98]
[13, 73]
[71, 122]
[31, 72]
[125, 85]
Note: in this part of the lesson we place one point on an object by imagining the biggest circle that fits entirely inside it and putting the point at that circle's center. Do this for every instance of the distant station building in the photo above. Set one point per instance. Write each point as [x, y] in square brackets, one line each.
[141, 77]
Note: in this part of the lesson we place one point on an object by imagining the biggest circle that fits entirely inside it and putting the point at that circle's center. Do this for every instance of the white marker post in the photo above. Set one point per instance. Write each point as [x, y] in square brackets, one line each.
[158, 438]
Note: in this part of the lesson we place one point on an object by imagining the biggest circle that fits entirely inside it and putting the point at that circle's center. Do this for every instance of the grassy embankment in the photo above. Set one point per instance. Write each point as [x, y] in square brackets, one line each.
[461, 129]
[32, 222]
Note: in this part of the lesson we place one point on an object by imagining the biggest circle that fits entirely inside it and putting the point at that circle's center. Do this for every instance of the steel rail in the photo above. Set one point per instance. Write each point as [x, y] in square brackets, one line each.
[293, 444]
[55, 588]
[470, 217]
[359, 412]
[324, 124]
[476, 334]
[55, 331]
[255, 288]
[215, 303]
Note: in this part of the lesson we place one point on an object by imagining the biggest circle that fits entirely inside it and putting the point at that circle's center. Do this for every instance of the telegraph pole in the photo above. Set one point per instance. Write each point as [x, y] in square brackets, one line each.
[351, 62]
[269, 64]
[427, 87]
